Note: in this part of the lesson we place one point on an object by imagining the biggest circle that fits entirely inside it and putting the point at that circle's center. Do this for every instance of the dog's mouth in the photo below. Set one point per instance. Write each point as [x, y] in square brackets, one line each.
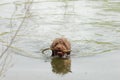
[60, 53]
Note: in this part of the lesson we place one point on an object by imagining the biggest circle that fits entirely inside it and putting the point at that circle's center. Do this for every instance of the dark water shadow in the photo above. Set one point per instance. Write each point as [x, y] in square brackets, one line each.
[61, 66]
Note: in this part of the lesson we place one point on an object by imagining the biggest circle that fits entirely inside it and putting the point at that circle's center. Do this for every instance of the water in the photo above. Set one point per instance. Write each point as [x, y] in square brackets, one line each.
[92, 26]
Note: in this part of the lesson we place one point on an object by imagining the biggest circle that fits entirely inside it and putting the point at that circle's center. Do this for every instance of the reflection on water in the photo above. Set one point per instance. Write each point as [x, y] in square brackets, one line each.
[92, 26]
[61, 65]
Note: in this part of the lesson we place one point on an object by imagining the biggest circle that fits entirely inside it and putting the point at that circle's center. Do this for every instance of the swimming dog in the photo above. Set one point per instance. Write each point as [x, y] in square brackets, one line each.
[60, 47]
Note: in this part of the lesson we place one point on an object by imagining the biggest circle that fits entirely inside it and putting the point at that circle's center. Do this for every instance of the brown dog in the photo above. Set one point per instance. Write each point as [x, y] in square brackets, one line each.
[60, 47]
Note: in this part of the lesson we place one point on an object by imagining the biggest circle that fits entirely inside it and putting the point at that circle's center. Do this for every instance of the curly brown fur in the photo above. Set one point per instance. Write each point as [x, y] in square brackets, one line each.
[60, 47]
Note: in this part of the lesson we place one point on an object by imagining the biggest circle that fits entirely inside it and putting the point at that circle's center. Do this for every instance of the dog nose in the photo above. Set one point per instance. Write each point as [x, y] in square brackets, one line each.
[58, 48]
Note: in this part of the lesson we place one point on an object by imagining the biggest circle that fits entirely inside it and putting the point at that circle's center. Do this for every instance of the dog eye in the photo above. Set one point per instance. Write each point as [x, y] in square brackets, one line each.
[61, 42]
[56, 44]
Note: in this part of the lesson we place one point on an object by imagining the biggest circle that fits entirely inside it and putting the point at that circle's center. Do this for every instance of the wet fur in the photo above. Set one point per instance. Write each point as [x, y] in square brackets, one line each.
[60, 44]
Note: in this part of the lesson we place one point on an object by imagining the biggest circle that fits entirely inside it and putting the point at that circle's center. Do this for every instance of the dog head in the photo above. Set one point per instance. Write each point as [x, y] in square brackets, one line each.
[60, 46]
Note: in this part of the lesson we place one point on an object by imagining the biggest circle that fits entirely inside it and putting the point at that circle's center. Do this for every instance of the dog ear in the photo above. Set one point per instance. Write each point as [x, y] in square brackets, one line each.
[54, 43]
[66, 43]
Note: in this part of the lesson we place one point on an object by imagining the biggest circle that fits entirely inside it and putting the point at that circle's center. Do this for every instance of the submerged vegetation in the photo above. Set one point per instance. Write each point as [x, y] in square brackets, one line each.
[93, 29]
[4, 56]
